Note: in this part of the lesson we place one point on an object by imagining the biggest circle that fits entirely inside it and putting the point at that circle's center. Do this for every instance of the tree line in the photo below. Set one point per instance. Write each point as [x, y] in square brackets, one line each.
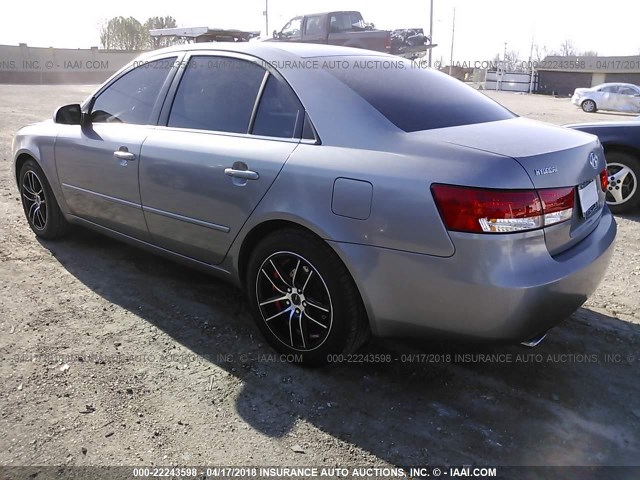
[120, 33]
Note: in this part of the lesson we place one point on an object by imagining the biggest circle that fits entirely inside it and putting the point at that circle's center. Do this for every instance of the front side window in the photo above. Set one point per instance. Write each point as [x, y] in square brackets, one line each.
[217, 94]
[610, 89]
[279, 113]
[414, 98]
[291, 30]
[131, 98]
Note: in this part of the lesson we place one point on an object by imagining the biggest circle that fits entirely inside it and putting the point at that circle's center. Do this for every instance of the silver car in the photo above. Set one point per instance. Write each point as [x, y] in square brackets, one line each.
[348, 192]
[617, 97]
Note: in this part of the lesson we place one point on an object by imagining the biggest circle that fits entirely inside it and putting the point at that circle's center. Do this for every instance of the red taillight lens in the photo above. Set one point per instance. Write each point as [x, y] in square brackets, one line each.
[557, 204]
[477, 210]
[604, 180]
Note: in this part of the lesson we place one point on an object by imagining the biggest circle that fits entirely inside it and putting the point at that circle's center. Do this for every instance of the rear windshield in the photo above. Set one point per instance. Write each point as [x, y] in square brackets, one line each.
[412, 97]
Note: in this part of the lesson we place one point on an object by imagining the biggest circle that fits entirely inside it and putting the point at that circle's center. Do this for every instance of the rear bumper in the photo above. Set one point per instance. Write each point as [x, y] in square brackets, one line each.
[493, 287]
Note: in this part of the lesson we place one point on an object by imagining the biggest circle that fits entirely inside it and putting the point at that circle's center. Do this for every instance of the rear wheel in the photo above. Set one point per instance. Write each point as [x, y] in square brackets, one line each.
[623, 193]
[303, 299]
[39, 204]
[589, 106]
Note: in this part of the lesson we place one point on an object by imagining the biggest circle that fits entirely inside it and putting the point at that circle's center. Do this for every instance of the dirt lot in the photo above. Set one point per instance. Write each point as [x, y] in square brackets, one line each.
[111, 356]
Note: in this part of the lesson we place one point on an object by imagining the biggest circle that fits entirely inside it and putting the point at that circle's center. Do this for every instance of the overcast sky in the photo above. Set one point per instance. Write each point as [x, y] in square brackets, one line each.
[481, 28]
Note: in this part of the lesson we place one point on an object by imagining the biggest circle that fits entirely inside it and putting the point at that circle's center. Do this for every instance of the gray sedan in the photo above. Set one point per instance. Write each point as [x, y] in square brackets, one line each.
[347, 192]
[617, 97]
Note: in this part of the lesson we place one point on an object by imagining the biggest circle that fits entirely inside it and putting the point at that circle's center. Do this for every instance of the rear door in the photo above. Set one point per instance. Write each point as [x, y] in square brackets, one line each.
[229, 130]
[98, 163]
[608, 98]
[629, 99]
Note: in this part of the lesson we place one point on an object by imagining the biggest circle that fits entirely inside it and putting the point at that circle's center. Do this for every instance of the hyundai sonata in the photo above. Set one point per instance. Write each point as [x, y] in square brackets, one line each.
[348, 192]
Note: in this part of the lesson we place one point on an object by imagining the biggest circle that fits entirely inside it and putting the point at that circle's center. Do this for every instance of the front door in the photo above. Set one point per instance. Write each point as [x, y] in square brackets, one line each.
[98, 163]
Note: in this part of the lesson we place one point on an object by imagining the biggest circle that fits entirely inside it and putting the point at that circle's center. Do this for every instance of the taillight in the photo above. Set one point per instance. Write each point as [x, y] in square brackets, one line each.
[604, 180]
[478, 210]
[557, 204]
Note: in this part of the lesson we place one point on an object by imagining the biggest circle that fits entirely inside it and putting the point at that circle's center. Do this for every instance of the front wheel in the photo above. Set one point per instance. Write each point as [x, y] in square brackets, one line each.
[40, 206]
[623, 193]
[303, 299]
[589, 106]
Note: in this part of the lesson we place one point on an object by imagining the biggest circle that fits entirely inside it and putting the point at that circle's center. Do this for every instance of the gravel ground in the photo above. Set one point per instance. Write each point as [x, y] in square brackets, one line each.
[111, 356]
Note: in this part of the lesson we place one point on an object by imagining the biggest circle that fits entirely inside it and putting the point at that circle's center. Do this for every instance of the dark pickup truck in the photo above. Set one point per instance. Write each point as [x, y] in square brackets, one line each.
[348, 29]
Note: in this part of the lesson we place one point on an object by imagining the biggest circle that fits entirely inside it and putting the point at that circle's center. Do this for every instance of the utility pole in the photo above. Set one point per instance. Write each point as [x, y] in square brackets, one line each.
[533, 72]
[453, 34]
[431, 33]
[266, 18]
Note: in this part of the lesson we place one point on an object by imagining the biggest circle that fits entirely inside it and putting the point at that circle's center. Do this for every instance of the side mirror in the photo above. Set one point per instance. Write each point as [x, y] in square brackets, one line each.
[275, 34]
[69, 115]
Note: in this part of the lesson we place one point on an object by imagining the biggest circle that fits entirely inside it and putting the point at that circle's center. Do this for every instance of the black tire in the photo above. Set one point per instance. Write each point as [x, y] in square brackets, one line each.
[40, 206]
[589, 106]
[626, 188]
[322, 314]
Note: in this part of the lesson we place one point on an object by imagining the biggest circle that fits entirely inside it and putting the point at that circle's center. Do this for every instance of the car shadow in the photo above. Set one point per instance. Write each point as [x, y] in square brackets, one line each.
[573, 400]
[630, 116]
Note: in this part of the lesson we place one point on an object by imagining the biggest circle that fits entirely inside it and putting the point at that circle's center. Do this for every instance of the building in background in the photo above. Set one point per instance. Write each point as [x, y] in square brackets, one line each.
[562, 75]
[23, 64]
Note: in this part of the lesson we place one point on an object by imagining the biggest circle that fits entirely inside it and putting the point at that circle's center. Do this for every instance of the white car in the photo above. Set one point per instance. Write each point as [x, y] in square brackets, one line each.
[619, 97]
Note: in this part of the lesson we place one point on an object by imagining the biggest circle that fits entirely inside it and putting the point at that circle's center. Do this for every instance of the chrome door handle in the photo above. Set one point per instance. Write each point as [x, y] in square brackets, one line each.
[124, 155]
[244, 174]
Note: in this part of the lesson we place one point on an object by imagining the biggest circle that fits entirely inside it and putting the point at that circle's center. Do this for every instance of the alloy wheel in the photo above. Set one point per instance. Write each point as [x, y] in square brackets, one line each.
[622, 183]
[34, 200]
[294, 301]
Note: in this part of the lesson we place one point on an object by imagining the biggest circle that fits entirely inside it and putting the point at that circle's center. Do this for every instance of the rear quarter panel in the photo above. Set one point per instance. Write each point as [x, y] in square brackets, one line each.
[403, 215]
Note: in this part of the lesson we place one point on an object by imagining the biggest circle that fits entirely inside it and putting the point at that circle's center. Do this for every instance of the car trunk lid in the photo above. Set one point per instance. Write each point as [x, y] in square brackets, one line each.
[553, 157]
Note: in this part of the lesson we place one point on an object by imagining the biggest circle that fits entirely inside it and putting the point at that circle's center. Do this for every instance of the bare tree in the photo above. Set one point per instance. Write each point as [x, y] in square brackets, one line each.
[588, 53]
[541, 52]
[568, 49]
[512, 61]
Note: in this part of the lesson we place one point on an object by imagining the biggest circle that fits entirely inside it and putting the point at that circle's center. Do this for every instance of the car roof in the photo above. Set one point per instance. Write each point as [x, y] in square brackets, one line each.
[272, 50]
[298, 65]
[615, 84]
[329, 13]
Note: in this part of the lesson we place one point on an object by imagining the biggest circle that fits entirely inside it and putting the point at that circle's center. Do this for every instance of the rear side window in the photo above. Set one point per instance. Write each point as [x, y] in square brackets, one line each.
[414, 98]
[131, 98]
[627, 91]
[313, 26]
[217, 94]
[345, 22]
[279, 113]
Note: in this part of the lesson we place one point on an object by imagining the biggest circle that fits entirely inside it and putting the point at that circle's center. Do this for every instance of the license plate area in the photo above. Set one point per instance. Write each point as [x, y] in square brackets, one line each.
[588, 195]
